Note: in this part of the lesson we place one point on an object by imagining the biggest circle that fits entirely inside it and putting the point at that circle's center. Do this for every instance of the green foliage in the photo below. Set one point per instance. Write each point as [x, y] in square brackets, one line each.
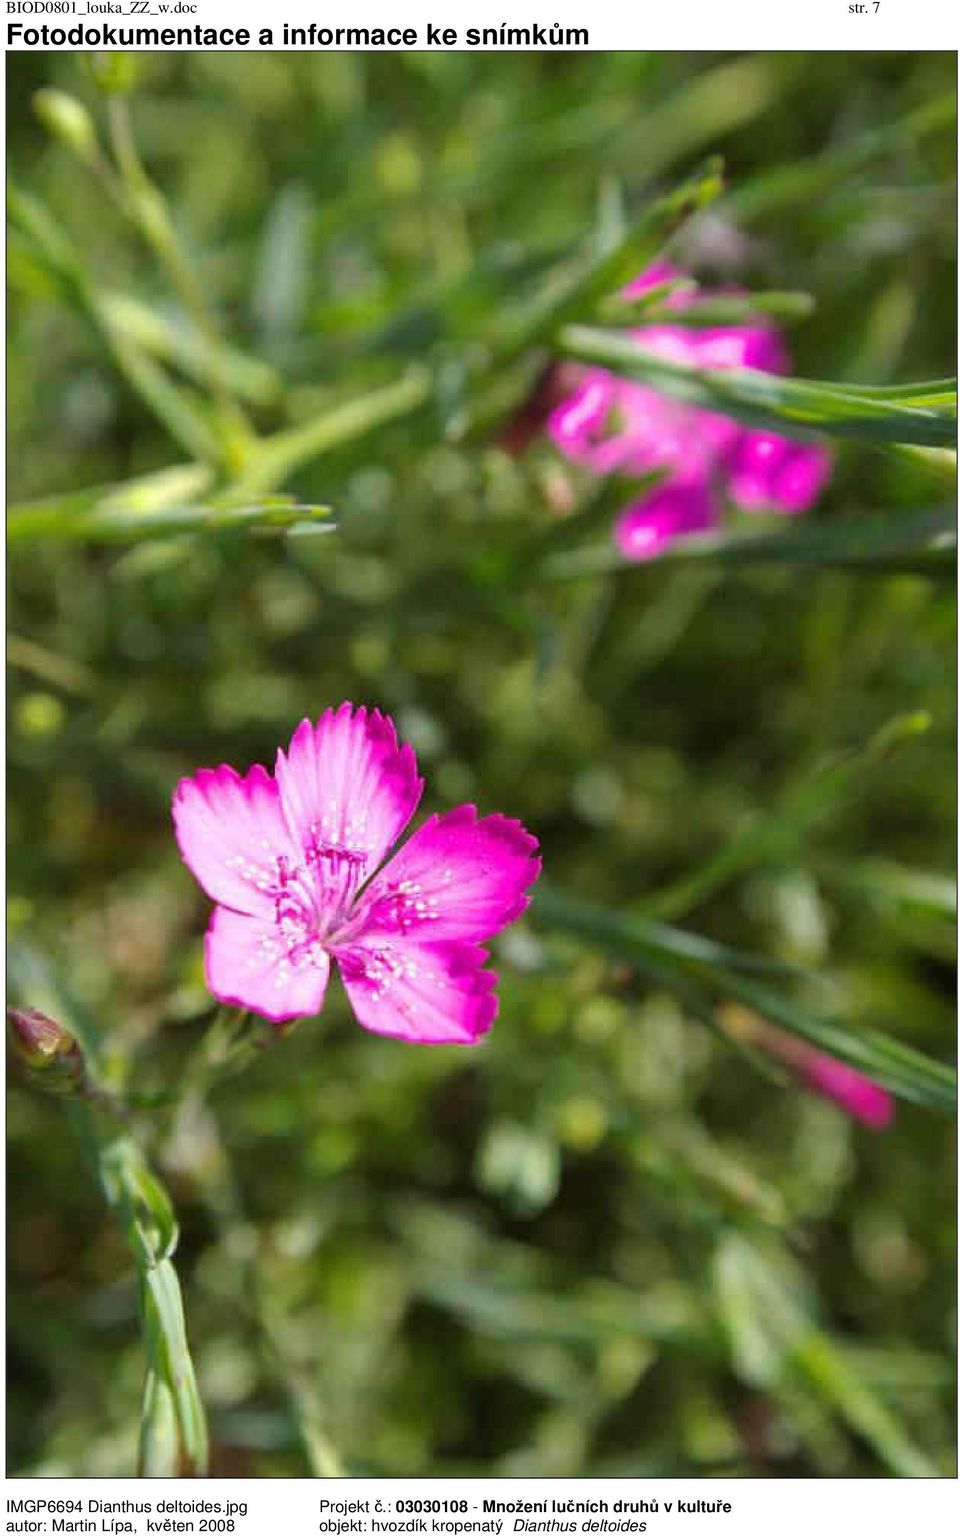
[923, 413]
[270, 317]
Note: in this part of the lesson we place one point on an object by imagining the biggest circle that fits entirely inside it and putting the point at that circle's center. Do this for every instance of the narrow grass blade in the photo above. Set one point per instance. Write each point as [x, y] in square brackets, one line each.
[824, 1364]
[781, 833]
[770, 194]
[275, 459]
[766, 1312]
[173, 1432]
[576, 288]
[180, 410]
[644, 937]
[117, 524]
[178, 341]
[889, 886]
[918, 542]
[733, 309]
[905, 1072]
[794, 406]
[54, 516]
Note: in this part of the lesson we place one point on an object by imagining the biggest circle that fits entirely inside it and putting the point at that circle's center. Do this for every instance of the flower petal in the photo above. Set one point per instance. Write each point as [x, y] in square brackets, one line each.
[650, 526]
[858, 1095]
[756, 459]
[247, 965]
[348, 788]
[802, 478]
[231, 833]
[579, 424]
[432, 994]
[652, 276]
[458, 877]
[739, 346]
[770, 471]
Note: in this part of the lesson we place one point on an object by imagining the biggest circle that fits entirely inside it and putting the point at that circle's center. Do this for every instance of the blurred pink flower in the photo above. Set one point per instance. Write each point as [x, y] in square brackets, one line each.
[611, 424]
[670, 510]
[291, 860]
[858, 1096]
[861, 1098]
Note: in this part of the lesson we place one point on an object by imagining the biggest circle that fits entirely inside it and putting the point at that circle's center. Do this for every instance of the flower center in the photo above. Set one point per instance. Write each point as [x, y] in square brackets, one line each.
[313, 898]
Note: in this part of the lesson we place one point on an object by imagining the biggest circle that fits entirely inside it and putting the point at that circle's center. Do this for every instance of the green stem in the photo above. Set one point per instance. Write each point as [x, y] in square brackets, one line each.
[274, 459]
[147, 208]
[220, 1193]
[232, 1041]
[173, 1431]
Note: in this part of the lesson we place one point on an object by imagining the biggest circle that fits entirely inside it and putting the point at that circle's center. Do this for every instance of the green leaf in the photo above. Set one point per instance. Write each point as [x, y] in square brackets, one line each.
[171, 1386]
[825, 1365]
[806, 182]
[179, 341]
[701, 111]
[633, 936]
[129, 1182]
[53, 516]
[732, 309]
[796, 407]
[765, 1309]
[890, 885]
[603, 1311]
[574, 289]
[274, 459]
[179, 409]
[159, 1429]
[921, 542]
[695, 970]
[779, 834]
[112, 522]
[173, 1432]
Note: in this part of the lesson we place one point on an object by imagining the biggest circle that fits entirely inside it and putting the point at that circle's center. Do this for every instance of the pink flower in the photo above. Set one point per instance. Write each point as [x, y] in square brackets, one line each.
[293, 858]
[614, 425]
[670, 510]
[767, 470]
[858, 1096]
[861, 1098]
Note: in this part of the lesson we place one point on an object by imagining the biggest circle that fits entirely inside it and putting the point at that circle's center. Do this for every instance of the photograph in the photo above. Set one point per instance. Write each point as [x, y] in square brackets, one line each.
[481, 766]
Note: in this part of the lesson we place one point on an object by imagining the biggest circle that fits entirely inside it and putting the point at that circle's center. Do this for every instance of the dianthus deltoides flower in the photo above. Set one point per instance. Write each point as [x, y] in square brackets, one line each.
[293, 860]
[611, 424]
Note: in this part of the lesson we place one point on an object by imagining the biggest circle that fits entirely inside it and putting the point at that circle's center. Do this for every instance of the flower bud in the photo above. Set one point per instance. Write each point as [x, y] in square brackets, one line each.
[859, 1096]
[68, 120]
[116, 72]
[49, 1054]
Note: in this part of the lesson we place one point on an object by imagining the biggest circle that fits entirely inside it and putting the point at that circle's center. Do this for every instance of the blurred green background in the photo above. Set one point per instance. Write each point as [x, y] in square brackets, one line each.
[606, 1240]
